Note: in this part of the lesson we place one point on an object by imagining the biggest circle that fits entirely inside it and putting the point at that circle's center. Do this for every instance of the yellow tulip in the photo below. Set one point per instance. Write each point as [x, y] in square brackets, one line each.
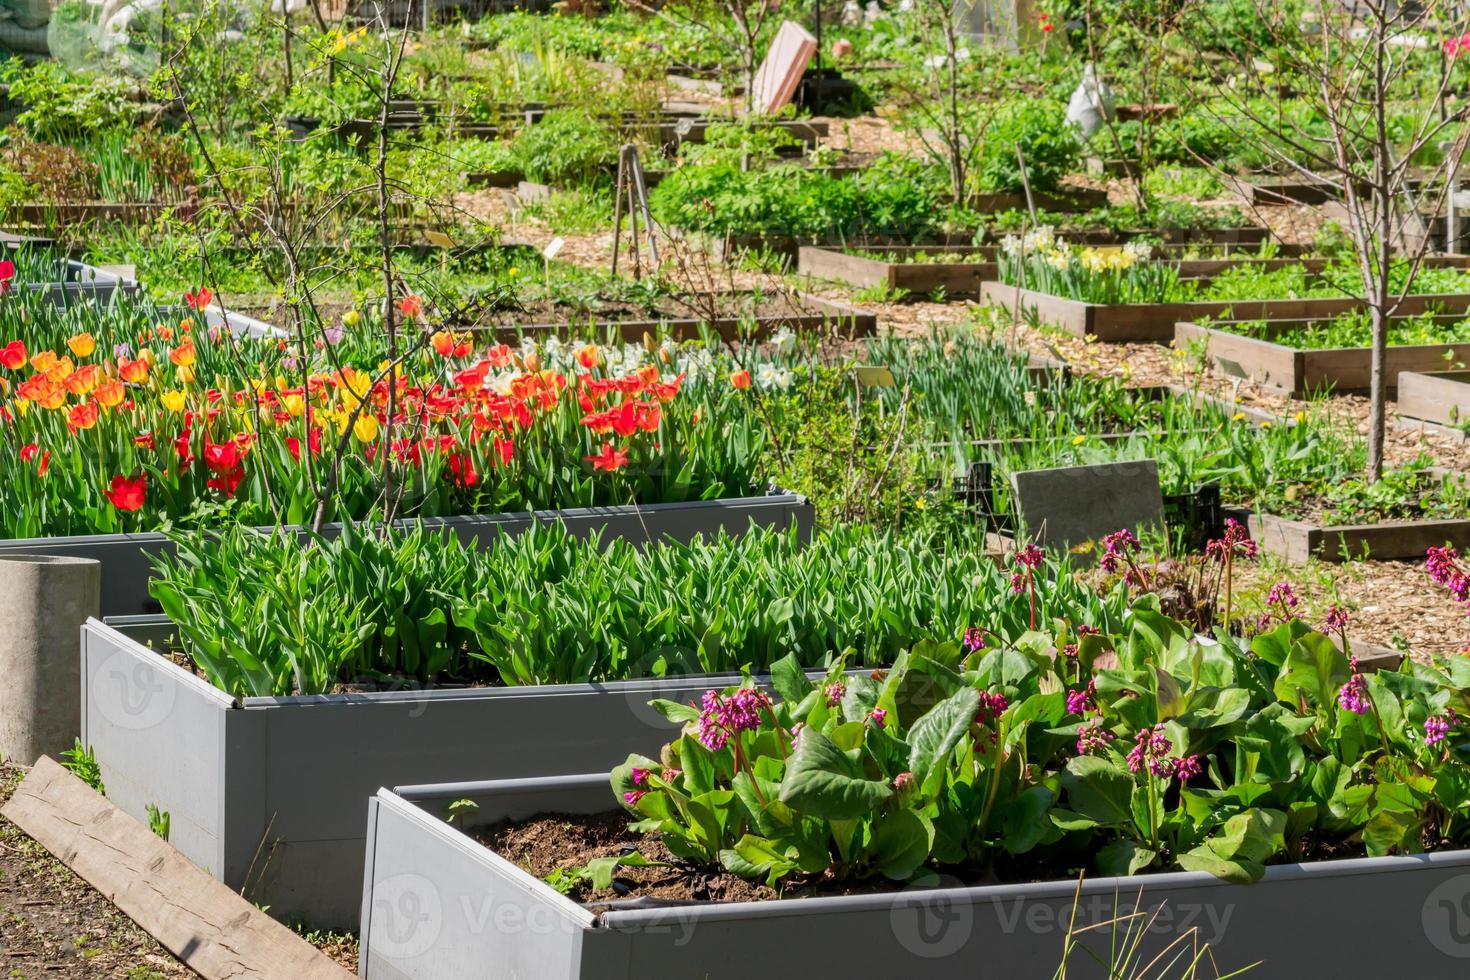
[351, 318]
[185, 374]
[295, 405]
[365, 429]
[82, 345]
[174, 401]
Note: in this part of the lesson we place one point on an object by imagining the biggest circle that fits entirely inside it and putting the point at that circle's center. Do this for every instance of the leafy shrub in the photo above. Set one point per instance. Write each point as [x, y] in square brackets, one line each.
[894, 197]
[60, 103]
[567, 148]
[1048, 142]
[1148, 749]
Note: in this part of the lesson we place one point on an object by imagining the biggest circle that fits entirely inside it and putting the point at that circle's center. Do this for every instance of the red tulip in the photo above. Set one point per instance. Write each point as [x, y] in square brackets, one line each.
[13, 355]
[609, 460]
[462, 470]
[740, 379]
[127, 495]
[222, 457]
[30, 451]
[7, 273]
[227, 483]
[199, 299]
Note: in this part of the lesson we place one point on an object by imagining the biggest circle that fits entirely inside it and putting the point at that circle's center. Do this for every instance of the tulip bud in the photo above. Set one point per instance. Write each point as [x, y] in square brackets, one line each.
[905, 784]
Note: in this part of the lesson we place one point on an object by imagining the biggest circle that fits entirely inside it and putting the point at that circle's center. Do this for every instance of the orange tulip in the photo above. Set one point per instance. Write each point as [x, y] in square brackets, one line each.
[82, 416]
[133, 372]
[84, 379]
[82, 345]
[111, 393]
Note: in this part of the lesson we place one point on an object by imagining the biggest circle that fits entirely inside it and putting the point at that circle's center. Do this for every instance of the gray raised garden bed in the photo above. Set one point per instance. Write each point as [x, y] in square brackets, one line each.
[127, 558]
[1309, 371]
[438, 904]
[1144, 322]
[267, 794]
[81, 281]
[1435, 396]
[1299, 541]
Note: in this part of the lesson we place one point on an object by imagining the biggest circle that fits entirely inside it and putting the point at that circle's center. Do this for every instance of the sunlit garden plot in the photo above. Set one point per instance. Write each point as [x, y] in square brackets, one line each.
[917, 487]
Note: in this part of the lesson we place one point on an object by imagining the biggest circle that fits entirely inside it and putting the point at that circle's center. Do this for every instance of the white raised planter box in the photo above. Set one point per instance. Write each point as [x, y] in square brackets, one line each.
[266, 793]
[438, 904]
[127, 558]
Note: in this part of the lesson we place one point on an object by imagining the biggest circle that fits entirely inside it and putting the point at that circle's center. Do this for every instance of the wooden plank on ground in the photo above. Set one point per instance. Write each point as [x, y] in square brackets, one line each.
[211, 929]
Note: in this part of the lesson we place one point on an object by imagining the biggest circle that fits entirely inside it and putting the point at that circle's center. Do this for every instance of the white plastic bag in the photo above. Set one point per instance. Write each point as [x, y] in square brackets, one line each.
[1091, 104]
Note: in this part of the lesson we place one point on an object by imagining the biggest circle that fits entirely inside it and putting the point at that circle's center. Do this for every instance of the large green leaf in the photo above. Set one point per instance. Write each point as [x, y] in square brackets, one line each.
[1124, 857]
[901, 841]
[935, 735]
[823, 781]
[1314, 668]
[1099, 790]
[755, 857]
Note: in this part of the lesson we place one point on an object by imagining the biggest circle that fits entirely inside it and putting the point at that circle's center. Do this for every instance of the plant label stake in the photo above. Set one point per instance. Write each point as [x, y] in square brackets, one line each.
[630, 185]
[879, 376]
[548, 253]
[1231, 369]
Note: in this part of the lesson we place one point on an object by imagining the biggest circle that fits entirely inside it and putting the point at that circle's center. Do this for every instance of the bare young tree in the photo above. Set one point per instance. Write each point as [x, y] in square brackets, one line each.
[938, 93]
[293, 239]
[1147, 36]
[734, 25]
[1381, 143]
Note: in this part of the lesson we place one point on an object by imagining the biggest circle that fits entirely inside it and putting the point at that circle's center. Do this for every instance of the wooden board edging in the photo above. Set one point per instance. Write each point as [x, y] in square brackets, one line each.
[207, 926]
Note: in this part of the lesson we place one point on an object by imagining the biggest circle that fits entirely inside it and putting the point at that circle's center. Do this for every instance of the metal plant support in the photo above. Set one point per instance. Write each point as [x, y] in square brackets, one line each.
[631, 194]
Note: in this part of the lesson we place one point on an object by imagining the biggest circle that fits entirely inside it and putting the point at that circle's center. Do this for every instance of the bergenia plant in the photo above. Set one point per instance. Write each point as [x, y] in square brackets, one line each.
[1149, 749]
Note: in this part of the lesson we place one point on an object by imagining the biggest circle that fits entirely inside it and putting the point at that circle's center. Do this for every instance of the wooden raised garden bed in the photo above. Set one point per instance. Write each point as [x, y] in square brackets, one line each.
[1299, 541]
[440, 904]
[1283, 190]
[683, 320]
[1139, 322]
[1063, 199]
[843, 265]
[1435, 396]
[1304, 372]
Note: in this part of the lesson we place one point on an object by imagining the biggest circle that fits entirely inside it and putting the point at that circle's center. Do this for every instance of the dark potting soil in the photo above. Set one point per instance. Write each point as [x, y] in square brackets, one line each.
[544, 845]
[547, 844]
